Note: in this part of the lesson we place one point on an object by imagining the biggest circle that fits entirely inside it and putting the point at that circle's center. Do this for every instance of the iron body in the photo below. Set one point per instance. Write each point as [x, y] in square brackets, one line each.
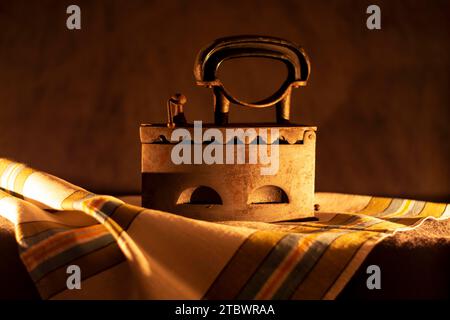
[238, 191]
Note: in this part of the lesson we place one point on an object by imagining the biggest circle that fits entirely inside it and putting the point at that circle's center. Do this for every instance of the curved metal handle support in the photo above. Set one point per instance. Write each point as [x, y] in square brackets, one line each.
[209, 59]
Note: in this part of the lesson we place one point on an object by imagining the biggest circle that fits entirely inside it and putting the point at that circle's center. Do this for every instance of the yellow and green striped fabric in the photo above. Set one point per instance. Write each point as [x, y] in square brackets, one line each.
[128, 252]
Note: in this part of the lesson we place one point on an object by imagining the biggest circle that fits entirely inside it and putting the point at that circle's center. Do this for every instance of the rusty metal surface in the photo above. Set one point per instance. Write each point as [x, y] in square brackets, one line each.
[150, 133]
[209, 59]
[234, 191]
[163, 184]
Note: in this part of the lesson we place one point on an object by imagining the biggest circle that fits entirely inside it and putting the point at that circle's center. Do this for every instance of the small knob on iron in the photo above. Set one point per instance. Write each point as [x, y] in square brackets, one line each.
[175, 110]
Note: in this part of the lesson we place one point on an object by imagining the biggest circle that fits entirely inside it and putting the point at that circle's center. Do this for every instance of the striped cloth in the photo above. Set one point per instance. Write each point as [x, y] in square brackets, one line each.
[128, 252]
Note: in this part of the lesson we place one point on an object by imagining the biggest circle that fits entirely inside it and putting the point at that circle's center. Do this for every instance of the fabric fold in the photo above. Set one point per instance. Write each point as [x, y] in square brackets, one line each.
[129, 252]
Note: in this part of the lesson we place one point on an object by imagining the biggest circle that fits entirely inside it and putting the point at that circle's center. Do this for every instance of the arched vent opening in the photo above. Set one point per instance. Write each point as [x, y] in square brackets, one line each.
[268, 195]
[199, 195]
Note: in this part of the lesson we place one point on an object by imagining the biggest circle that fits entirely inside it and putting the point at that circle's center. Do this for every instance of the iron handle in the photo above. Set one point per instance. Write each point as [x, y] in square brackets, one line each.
[209, 59]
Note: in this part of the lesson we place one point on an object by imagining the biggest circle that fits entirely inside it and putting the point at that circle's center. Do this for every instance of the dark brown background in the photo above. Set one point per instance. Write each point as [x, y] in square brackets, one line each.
[71, 101]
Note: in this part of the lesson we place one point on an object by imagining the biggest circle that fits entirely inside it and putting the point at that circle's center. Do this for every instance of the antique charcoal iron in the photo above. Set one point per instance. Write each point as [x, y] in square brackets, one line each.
[221, 185]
